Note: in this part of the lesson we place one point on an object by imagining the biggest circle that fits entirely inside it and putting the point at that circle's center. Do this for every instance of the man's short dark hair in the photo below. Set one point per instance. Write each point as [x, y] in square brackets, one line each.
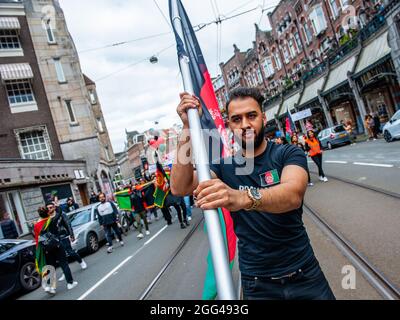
[243, 93]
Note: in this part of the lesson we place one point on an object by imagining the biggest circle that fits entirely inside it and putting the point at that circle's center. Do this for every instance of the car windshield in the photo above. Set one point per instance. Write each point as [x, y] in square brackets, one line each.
[4, 247]
[338, 129]
[80, 218]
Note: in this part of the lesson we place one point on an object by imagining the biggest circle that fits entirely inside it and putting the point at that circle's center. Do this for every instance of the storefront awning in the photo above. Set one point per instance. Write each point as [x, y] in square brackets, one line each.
[373, 52]
[9, 23]
[311, 91]
[16, 71]
[339, 74]
[289, 103]
[272, 111]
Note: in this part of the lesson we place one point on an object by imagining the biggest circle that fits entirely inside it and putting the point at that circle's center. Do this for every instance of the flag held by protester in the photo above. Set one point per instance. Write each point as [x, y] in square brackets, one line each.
[210, 119]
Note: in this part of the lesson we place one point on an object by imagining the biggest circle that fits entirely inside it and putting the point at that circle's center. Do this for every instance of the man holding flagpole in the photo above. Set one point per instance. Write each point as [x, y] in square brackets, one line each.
[276, 259]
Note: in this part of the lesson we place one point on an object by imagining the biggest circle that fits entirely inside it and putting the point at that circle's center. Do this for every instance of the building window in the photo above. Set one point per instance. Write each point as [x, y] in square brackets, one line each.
[298, 42]
[318, 20]
[19, 92]
[286, 54]
[100, 125]
[70, 111]
[344, 3]
[108, 157]
[307, 33]
[34, 146]
[278, 62]
[259, 75]
[292, 49]
[334, 8]
[268, 67]
[9, 40]
[92, 97]
[49, 32]
[59, 71]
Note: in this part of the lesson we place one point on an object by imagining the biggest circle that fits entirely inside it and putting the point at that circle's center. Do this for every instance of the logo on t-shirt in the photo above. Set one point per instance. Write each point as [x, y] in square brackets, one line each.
[270, 178]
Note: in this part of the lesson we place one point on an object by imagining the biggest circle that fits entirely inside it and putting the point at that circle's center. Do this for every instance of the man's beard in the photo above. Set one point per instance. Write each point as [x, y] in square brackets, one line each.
[258, 140]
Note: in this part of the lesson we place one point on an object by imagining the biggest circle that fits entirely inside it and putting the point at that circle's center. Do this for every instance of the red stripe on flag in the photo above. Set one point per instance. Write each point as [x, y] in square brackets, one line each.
[207, 94]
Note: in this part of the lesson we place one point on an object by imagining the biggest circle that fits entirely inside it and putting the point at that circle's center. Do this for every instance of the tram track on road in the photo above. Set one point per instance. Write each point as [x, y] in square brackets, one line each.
[374, 276]
[146, 293]
[363, 186]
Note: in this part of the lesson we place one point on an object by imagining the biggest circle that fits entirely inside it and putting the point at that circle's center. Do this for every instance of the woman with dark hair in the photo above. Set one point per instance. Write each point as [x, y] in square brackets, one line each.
[49, 250]
[314, 148]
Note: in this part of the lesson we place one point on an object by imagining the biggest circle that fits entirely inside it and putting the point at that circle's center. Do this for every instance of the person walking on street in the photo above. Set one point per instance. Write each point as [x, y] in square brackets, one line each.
[93, 198]
[377, 124]
[314, 148]
[70, 205]
[52, 251]
[107, 214]
[276, 259]
[349, 128]
[137, 199]
[369, 126]
[296, 142]
[66, 237]
[188, 208]
[179, 204]
[8, 226]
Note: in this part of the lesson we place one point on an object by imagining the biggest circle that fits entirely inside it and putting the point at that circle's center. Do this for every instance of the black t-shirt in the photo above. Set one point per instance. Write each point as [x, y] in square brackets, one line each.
[270, 245]
[137, 201]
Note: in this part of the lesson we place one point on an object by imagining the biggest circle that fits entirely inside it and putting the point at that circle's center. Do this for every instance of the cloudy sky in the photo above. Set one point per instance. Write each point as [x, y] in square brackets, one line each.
[133, 92]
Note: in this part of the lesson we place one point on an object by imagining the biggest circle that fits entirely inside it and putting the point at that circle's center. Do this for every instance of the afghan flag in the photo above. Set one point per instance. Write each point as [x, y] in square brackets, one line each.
[162, 188]
[40, 259]
[124, 199]
[211, 119]
[290, 127]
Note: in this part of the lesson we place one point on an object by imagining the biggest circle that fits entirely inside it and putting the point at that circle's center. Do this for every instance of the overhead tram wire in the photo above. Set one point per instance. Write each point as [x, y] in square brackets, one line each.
[196, 28]
[220, 20]
[262, 13]
[162, 13]
[199, 27]
[126, 42]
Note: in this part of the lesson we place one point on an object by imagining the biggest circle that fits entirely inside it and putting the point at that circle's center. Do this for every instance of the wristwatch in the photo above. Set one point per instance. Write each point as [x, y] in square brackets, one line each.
[256, 197]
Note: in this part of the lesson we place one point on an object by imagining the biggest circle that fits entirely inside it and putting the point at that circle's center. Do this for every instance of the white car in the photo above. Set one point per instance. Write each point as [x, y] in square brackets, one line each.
[391, 130]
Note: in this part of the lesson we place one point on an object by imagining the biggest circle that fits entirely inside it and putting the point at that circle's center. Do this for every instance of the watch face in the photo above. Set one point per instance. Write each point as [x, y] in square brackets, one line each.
[256, 194]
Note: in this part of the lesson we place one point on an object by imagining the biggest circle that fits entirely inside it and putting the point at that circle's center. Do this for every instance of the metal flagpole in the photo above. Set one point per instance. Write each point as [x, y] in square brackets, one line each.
[219, 253]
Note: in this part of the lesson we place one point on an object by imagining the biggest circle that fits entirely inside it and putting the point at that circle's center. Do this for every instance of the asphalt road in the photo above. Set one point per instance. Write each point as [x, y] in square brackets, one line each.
[127, 272]
[374, 163]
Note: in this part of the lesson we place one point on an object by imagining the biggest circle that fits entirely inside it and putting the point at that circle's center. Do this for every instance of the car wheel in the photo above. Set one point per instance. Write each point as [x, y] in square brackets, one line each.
[92, 243]
[29, 277]
[388, 136]
[330, 147]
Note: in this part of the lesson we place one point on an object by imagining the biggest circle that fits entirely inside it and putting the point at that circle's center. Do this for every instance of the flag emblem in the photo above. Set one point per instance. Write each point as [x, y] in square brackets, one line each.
[270, 178]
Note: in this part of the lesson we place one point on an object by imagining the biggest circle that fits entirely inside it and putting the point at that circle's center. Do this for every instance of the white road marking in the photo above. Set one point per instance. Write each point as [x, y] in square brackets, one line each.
[106, 277]
[155, 236]
[115, 270]
[337, 162]
[374, 165]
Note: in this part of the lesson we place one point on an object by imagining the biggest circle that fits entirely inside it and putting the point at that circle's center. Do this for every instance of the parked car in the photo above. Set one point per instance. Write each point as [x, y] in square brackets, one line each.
[87, 229]
[391, 130]
[17, 267]
[333, 137]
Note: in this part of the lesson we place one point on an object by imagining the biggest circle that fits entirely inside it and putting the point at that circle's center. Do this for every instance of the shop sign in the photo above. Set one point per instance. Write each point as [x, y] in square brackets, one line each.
[301, 115]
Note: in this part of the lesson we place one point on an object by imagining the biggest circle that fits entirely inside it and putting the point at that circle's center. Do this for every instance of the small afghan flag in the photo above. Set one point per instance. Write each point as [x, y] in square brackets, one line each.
[124, 199]
[162, 189]
[40, 260]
